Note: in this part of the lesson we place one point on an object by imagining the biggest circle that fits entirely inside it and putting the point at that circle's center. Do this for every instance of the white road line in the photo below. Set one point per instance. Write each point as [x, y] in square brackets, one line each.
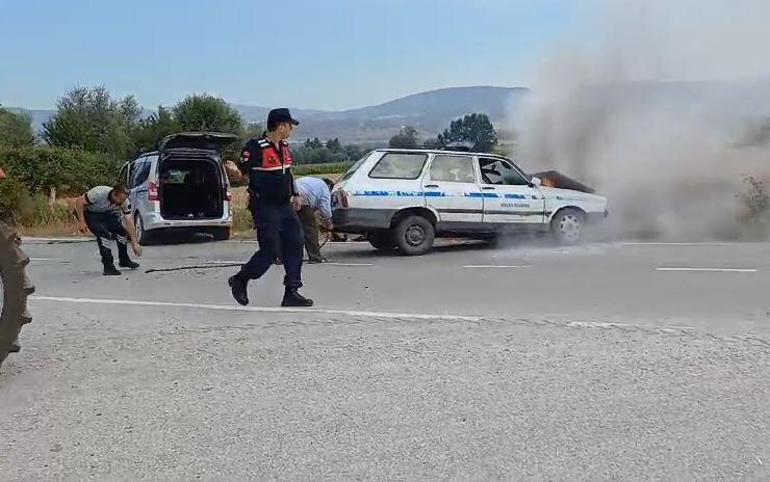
[472, 266]
[219, 261]
[712, 270]
[345, 264]
[676, 244]
[254, 309]
[39, 259]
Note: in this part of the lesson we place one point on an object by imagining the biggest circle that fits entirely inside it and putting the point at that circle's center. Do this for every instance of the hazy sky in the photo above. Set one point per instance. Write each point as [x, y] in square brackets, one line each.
[327, 54]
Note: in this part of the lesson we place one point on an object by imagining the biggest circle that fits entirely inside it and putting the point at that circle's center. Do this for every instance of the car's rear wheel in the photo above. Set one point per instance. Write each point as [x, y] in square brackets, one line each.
[568, 225]
[382, 241]
[143, 236]
[14, 290]
[414, 235]
[220, 234]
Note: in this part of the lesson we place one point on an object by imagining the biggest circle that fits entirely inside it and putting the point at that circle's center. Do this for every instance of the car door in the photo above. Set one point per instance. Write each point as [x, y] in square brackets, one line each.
[139, 172]
[509, 197]
[452, 190]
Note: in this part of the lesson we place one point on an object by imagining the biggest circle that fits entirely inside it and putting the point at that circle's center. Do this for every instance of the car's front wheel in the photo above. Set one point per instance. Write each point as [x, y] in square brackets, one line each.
[567, 226]
[414, 235]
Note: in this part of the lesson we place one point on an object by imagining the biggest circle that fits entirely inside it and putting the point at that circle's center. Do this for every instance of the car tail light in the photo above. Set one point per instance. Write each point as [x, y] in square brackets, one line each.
[228, 195]
[343, 196]
[152, 192]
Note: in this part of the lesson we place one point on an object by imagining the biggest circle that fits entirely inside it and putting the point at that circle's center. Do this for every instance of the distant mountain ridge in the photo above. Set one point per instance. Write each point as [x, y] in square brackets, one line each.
[430, 112]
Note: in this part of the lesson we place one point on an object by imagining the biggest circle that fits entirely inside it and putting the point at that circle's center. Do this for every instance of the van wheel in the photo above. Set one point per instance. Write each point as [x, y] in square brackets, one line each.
[567, 226]
[221, 234]
[142, 236]
[414, 235]
[382, 241]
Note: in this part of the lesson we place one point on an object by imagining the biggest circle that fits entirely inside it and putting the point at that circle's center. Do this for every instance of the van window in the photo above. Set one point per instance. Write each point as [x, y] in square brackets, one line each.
[141, 173]
[398, 165]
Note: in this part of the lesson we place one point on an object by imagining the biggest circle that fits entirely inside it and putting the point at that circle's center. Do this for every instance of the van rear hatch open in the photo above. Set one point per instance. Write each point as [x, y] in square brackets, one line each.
[192, 182]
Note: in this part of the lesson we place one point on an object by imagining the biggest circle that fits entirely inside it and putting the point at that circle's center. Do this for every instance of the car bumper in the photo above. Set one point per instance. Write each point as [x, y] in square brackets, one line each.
[154, 221]
[360, 221]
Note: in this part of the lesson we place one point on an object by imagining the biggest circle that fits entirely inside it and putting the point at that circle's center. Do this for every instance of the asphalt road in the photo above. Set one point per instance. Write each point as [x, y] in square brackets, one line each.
[604, 361]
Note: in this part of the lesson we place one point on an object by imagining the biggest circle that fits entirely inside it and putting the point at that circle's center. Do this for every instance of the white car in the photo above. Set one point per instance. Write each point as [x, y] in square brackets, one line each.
[403, 199]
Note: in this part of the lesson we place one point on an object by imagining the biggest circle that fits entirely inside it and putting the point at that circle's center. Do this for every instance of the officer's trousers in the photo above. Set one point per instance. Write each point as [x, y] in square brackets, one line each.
[278, 233]
[108, 227]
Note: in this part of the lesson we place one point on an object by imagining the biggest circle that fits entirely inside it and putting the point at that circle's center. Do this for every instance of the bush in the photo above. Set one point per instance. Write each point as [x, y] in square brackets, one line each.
[317, 169]
[12, 195]
[70, 171]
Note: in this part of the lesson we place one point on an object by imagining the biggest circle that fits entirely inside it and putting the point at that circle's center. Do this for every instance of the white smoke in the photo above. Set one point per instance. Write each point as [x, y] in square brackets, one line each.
[652, 114]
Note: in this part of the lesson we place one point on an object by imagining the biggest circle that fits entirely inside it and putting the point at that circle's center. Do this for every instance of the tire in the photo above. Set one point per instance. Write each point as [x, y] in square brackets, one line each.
[143, 237]
[15, 288]
[414, 235]
[221, 234]
[568, 225]
[381, 241]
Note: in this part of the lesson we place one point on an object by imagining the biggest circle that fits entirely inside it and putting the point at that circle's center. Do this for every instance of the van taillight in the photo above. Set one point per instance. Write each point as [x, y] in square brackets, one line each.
[152, 191]
[344, 199]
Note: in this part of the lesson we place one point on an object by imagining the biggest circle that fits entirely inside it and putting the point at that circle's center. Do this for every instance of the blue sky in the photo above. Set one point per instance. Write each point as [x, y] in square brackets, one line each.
[331, 54]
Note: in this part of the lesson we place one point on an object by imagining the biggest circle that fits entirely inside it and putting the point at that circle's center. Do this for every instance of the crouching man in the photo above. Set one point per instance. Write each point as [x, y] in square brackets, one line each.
[103, 210]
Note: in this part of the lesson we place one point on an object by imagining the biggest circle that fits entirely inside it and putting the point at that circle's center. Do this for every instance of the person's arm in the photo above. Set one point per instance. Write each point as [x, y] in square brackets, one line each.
[325, 208]
[128, 222]
[80, 207]
[296, 200]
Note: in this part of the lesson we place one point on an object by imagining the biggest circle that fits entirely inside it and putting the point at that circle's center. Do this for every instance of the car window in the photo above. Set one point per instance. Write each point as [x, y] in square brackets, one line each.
[397, 165]
[354, 167]
[141, 173]
[452, 169]
[500, 172]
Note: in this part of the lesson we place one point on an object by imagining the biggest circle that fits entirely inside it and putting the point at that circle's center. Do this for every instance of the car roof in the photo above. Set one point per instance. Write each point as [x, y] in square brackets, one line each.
[440, 151]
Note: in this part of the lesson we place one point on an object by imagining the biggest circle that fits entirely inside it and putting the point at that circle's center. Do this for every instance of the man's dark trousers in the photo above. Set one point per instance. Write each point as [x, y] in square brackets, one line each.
[278, 232]
[310, 230]
[108, 227]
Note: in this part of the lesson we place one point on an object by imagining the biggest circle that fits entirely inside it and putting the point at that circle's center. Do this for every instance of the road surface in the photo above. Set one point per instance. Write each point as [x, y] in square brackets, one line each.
[604, 361]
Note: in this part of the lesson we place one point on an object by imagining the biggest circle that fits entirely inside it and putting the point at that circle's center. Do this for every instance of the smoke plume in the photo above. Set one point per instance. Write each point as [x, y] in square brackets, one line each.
[665, 115]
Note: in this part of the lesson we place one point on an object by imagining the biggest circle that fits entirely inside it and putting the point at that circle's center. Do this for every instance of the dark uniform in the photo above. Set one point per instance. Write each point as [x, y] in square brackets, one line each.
[279, 232]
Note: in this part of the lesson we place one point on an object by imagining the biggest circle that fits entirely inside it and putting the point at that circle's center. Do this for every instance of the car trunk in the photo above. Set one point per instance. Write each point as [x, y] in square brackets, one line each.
[191, 185]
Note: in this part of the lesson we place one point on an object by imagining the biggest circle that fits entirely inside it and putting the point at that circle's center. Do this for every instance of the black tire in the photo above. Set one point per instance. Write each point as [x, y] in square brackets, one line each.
[220, 234]
[567, 226]
[414, 235]
[145, 238]
[382, 241]
[15, 290]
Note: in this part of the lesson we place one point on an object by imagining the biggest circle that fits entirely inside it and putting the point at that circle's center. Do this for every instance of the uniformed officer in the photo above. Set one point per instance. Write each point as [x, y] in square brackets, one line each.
[273, 203]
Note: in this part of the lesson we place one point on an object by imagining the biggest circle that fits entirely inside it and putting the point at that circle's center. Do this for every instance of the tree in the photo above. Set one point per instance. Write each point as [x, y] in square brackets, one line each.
[15, 129]
[474, 128]
[313, 143]
[90, 119]
[207, 113]
[405, 139]
[151, 130]
[334, 145]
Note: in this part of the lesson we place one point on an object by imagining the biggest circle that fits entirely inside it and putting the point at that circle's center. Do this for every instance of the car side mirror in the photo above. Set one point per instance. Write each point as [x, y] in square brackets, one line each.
[536, 181]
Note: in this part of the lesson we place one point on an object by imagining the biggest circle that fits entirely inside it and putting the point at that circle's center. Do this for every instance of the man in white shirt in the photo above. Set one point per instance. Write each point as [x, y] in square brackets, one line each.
[315, 194]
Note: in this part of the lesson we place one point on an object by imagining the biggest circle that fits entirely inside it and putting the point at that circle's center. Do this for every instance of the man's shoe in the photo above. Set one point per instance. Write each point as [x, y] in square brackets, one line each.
[238, 289]
[317, 261]
[111, 271]
[14, 348]
[293, 299]
[127, 263]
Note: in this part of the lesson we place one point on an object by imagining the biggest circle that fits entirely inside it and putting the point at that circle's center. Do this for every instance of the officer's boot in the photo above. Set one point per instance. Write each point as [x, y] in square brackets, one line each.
[238, 287]
[292, 298]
